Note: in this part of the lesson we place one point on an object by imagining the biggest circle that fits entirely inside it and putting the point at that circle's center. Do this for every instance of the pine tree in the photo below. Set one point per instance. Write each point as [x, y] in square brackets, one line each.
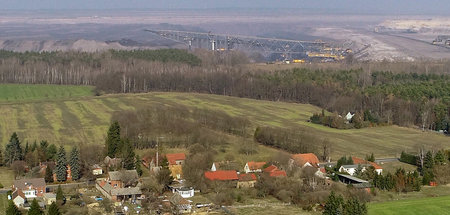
[27, 149]
[429, 160]
[113, 139]
[74, 163]
[59, 194]
[51, 152]
[138, 165]
[354, 207]
[13, 150]
[128, 155]
[12, 209]
[34, 146]
[34, 208]
[440, 157]
[48, 175]
[53, 209]
[333, 206]
[61, 165]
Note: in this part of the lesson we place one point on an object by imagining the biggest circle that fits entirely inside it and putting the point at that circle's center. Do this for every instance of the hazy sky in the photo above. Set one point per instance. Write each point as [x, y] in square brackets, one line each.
[363, 6]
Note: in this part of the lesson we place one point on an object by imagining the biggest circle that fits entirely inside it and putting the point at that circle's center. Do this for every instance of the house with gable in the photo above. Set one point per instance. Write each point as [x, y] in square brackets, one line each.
[246, 180]
[24, 189]
[228, 176]
[176, 162]
[224, 165]
[303, 160]
[359, 161]
[273, 171]
[253, 166]
[120, 185]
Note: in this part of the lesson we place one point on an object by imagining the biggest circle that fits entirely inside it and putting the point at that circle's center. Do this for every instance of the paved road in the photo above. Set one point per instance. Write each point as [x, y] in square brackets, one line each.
[4, 191]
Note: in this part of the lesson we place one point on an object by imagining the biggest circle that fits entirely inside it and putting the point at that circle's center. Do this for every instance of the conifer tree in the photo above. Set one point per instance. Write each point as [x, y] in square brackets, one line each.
[354, 207]
[53, 209]
[13, 150]
[51, 152]
[59, 194]
[12, 209]
[61, 165]
[34, 146]
[1, 156]
[34, 208]
[333, 206]
[429, 160]
[128, 155]
[440, 157]
[113, 139]
[27, 149]
[138, 165]
[74, 163]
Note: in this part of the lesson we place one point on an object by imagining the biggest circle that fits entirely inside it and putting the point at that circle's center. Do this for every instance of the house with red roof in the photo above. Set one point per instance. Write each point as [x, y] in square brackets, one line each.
[253, 166]
[176, 162]
[273, 171]
[222, 175]
[303, 160]
[246, 180]
[359, 161]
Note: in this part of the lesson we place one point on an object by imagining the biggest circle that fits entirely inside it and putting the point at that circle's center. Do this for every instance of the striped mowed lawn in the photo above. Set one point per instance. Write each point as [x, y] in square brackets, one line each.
[84, 120]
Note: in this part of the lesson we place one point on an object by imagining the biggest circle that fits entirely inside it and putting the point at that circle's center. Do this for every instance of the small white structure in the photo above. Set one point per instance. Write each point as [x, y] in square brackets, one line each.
[185, 192]
[97, 170]
[349, 116]
[49, 198]
[351, 169]
[253, 166]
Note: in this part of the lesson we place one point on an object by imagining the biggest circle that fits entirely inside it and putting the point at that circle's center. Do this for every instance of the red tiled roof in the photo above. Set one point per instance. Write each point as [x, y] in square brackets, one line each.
[270, 168]
[302, 159]
[255, 165]
[222, 175]
[173, 158]
[357, 160]
[247, 177]
[278, 173]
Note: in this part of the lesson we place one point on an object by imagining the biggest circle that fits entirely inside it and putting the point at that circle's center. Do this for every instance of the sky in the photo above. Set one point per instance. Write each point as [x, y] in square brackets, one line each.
[357, 6]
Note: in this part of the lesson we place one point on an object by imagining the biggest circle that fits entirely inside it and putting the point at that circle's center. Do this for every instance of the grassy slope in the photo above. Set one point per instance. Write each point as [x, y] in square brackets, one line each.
[85, 121]
[436, 205]
[21, 92]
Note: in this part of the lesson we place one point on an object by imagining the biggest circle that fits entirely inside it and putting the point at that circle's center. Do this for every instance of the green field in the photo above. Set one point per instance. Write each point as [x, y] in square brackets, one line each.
[23, 92]
[84, 120]
[431, 206]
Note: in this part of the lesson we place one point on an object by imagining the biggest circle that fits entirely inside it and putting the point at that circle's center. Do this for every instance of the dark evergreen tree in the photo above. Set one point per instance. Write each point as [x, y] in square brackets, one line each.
[138, 165]
[53, 209]
[44, 145]
[34, 146]
[34, 208]
[429, 160]
[1, 156]
[113, 140]
[59, 194]
[51, 152]
[333, 206]
[128, 155]
[27, 149]
[13, 150]
[164, 177]
[12, 209]
[74, 163]
[61, 165]
[354, 207]
[440, 157]
[48, 174]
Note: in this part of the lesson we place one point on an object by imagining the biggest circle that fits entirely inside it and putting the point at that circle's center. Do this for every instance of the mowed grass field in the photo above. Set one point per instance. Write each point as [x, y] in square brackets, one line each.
[85, 120]
[429, 206]
[24, 92]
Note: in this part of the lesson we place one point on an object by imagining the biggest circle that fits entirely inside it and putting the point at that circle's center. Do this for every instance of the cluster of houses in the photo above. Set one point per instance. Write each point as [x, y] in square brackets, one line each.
[125, 185]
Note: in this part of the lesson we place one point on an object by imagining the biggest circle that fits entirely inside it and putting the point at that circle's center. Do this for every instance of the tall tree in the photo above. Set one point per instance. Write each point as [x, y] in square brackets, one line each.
[128, 155]
[429, 160]
[51, 152]
[34, 146]
[354, 207]
[333, 206]
[48, 174]
[74, 163]
[53, 209]
[34, 208]
[27, 148]
[12, 209]
[13, 150]
[61, 165]
[138, 165]
[59, 193]
[113, 139]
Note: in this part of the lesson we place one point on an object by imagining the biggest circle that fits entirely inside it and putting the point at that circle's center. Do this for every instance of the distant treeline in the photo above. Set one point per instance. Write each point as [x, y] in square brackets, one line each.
[413, 97]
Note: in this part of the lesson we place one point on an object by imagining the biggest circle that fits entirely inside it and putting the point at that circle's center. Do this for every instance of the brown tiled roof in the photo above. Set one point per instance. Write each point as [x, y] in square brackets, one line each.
[247, 177]
[173, 158]
[117, 175]
[255, 165]
[302, 159]
[24, 183]
[357, 160]
[222, 175]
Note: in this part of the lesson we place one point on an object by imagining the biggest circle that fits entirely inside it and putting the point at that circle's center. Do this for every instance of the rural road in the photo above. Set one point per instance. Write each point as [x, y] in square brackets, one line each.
[386, 160]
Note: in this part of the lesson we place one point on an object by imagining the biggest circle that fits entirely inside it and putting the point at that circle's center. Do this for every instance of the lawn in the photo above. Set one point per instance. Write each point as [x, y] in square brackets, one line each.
[6, 177]
[3, 203]
[85, 120]
[24, 92]
[429, 206]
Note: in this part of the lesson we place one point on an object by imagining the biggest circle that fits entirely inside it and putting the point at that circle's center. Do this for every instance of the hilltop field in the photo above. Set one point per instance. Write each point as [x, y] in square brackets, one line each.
[72, 115]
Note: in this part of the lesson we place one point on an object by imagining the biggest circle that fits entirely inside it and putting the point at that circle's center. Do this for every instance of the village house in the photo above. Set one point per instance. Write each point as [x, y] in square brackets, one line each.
[24, 189]
[49, 198]
[97, 170]
[254, 166]
[224, 165]
[120, 186]
[273, 171]
[179, 204]
[229, 176]
[351, 169]
[176, 162]
[247, 180]
[185, 192]
[378, 168]
[303, 160]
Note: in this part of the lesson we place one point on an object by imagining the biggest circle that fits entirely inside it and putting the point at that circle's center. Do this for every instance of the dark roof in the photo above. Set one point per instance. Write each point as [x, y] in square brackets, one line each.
[355, 179]
[24, 183]
[126, 191]
[176, 199]
[118, 175]
[17, 193]
[247, 177]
